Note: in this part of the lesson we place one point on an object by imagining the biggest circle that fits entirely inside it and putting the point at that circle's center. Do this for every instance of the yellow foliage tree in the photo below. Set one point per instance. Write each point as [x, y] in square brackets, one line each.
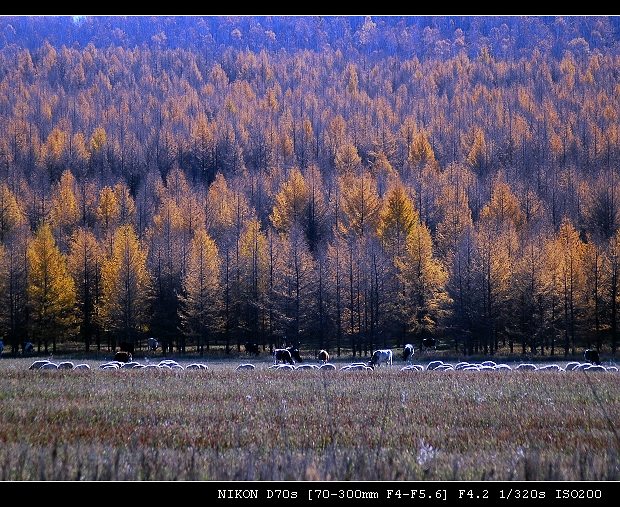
[51, 290]
[126, 286]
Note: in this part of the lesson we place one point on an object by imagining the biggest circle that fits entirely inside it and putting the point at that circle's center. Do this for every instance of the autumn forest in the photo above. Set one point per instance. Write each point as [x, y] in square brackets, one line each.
[339, 183]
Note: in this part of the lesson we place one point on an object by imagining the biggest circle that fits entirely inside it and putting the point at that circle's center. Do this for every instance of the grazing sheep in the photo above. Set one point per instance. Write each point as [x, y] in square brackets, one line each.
[28, 348]
[503, 367]
[285, 367]
[433, 364]
[37, 365]
[571, 366]
[381, 356]
[357, 367]
[486, 368]
[151, 366]
[122, 357]
[66, 365]
[612, 368]
[412, 367]
[252, 348]
[550, 367]
[408, 353]
[168, 362]
[444, 367]
[592, 356]
[82, 366]
[462, 365]
[246, 366]
[49, 366]
[193, 366]
[582, 366]
[130, 364]
[597, 367]
[109, 367]
[323, 356]
[473, 367]
[306, 367]
[488, 363]
[152, 344]
[526, 367]
[327, 366]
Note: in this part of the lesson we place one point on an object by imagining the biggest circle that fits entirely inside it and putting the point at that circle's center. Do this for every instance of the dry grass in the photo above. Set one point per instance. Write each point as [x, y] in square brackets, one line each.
[266, 425]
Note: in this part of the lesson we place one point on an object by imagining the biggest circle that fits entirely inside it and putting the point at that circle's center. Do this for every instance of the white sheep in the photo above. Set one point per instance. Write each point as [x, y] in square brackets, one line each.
[82, 366]
[151, 367]
[38, 364]
[488, 363]
[130, 364]
[550, 367]
[245, 366]
[66, 365]
[444, 367]
[503, 367]
[109, 367]
[572, 365]
[433, 364]
[327, 366]
[49, 366]
[595, 367]
[526, 367]
[612, 368]
[461, 365]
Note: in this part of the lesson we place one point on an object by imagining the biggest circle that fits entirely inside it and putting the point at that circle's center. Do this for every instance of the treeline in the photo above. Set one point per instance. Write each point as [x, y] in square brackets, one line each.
[310, 198]
[427, 37]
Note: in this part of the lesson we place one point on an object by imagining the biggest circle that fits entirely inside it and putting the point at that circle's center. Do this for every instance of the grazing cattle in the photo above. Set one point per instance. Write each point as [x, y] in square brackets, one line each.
[123, 356]
[1, 346]
[381, 356]
[323, 356]
[282, 356]
[152, 343]
[28, 348]
[408, 353]
[295, 354]
[592, 356]
[429, 343]
[252, 348]
[126, 347]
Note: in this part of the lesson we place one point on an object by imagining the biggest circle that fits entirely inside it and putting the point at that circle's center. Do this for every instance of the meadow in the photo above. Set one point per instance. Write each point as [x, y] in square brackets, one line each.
[223, 424]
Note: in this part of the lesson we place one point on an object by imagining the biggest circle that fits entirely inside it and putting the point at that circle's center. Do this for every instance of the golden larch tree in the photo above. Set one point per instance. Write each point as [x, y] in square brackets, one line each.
[200, 301]
[51, 290]
[126, 286]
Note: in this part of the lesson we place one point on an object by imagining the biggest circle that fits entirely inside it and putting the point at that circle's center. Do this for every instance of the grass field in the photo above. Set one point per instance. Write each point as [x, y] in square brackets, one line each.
[307, 425]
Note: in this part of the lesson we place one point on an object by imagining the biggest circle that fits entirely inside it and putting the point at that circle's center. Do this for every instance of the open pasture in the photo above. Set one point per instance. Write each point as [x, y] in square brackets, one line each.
[221, 424]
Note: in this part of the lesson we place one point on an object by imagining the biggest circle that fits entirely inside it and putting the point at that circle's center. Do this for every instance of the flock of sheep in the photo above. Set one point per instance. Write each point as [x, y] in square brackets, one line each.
[169, 364]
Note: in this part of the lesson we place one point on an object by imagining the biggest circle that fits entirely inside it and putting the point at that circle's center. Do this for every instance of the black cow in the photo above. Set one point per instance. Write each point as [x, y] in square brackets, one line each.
[429, 342]
[323, 356]
[592, 356]
[295, 354]
[127, 346]
[252, 348]
[408, 353]
[123, 357]
[282, 356]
